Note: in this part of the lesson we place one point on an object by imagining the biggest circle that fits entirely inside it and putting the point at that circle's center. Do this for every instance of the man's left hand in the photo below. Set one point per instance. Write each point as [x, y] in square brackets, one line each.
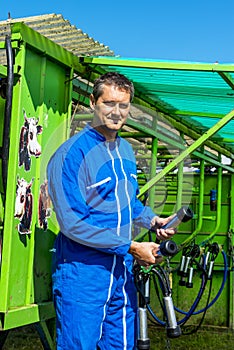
[156, 225]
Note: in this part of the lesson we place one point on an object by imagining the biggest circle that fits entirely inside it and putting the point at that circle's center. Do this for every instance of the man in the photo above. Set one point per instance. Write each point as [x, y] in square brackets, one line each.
[93, 186]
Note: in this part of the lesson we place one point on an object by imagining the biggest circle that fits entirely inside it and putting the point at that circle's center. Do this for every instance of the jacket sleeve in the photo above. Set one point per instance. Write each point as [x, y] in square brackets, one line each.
[142, 215]
[67, 189]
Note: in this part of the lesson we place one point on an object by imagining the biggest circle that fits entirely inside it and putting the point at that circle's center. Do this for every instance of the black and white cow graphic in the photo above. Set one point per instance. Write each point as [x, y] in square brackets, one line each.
[29, 145]
[24, 205]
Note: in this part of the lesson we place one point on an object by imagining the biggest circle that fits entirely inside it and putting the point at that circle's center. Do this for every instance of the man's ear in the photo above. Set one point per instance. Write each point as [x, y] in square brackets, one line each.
[92, 101]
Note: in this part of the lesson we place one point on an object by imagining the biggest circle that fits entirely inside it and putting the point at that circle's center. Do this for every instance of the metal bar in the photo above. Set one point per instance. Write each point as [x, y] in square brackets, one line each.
[188, 151]
[133, 134]
[113, 61]
[231, 233]
[45, 336]
[6, 267]
[153, 164]
[28, 314]
[200, 205]
[68, 97]
[8, 111]
[198, 114]
[173, 119]
[180, 176]
[224, 140]
[228, 79]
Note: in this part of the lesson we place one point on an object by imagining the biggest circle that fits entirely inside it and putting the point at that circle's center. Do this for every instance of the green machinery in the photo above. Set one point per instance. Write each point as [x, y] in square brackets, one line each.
[38, 120]
[44, 100]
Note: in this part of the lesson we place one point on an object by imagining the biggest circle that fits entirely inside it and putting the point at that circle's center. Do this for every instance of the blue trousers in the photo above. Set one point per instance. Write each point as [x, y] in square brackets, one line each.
[95, 298]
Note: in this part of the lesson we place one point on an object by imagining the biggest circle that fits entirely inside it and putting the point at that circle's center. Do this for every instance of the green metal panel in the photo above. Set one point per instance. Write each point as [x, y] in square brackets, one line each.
[43, 90]
[2, 109]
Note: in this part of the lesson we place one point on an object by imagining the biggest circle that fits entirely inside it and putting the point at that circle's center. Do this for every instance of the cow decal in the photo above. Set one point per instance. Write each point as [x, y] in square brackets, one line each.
[29, 145]
[24, 205]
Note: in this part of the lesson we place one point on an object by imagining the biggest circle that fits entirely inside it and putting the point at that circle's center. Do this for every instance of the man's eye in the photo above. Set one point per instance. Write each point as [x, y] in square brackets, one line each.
[112, 104]
[109, 104]
[123, 105]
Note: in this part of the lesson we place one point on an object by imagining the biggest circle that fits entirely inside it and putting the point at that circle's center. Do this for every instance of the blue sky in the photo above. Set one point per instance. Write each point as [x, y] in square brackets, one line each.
[196, 31]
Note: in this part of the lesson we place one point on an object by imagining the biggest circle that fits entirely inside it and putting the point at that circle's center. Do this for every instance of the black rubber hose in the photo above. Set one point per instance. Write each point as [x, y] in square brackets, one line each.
[8, 109]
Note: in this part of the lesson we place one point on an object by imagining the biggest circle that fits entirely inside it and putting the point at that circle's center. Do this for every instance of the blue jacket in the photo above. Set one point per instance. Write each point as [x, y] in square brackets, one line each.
[93, 187]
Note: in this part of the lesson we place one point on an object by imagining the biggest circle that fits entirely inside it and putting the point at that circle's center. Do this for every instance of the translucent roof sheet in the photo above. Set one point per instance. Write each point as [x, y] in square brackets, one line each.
[196, 94]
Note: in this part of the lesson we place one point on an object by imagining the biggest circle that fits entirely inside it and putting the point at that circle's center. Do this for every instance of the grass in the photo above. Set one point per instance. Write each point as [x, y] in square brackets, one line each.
[26, 338]
[23, 338]
[204, 339]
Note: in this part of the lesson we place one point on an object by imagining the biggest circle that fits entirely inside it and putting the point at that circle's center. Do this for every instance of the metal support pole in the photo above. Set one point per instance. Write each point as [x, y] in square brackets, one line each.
[198, 143]
[231, 232]
[180, 176]
[200, 204]
[153, 164]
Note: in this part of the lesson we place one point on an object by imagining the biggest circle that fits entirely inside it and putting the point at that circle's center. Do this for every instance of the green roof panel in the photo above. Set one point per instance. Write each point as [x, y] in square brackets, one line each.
[196, 94]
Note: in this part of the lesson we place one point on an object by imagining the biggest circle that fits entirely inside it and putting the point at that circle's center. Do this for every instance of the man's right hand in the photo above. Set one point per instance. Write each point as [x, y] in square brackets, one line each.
[145, 253]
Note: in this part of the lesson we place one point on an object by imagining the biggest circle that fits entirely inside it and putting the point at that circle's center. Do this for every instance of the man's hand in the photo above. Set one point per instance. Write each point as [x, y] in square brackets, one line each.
[145, 253]
[156, 225]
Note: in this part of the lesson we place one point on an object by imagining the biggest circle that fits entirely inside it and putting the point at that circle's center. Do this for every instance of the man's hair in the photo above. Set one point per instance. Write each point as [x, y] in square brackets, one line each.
[112, 78]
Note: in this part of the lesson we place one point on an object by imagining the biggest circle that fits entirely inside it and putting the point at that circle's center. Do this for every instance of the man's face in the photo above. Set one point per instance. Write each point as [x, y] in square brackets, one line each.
[111, 109]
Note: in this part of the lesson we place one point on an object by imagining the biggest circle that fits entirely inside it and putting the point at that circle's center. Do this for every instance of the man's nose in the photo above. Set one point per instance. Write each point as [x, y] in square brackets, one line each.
[116, 109]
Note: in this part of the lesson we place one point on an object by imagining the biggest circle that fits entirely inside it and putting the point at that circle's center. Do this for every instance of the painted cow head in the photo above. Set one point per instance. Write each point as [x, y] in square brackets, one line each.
[23, 189]
[34, 148]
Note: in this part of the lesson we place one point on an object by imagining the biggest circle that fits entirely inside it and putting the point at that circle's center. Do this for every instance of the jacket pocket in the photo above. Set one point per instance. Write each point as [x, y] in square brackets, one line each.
[99, 183]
